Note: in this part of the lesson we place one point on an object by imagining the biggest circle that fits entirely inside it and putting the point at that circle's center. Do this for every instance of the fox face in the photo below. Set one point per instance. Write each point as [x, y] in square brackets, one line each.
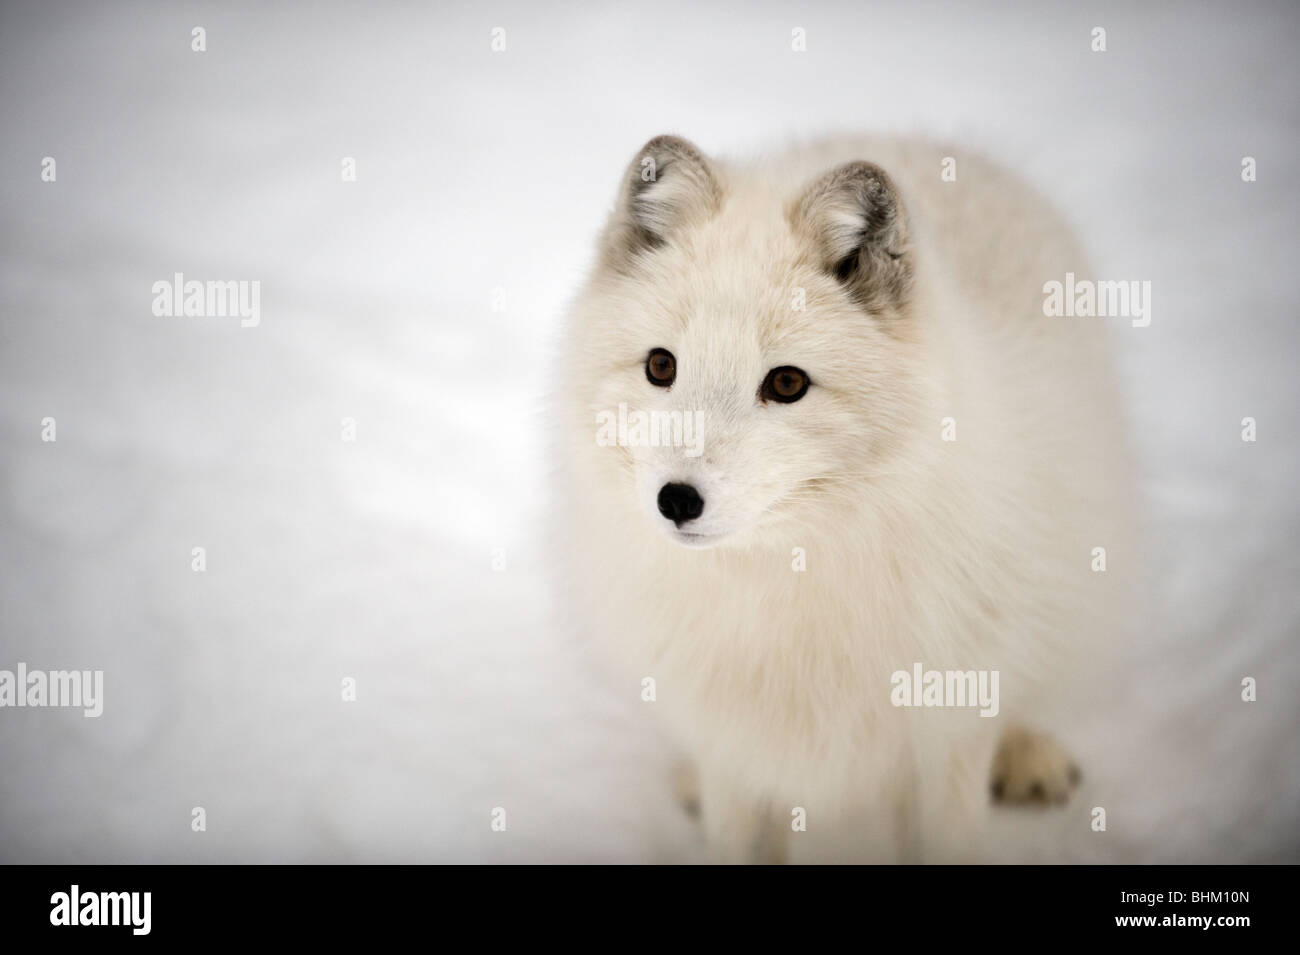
[755, 343]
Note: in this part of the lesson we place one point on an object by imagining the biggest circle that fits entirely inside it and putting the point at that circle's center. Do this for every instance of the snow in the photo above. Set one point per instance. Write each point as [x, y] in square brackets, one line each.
[374, 560]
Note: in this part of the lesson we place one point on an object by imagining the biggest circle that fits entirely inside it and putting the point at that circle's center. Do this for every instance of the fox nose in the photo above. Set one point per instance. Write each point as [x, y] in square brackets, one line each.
[680, 503]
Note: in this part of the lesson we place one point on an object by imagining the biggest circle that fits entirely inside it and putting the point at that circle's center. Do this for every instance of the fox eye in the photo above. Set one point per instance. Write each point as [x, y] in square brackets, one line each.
[784, 384]
[660, 367]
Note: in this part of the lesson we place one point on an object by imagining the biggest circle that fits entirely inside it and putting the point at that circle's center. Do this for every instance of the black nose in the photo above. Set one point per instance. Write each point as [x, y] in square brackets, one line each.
[680, 503]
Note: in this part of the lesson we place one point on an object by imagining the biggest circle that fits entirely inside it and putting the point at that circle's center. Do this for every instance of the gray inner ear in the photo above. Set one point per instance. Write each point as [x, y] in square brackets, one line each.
[668, 184]
[857, 219]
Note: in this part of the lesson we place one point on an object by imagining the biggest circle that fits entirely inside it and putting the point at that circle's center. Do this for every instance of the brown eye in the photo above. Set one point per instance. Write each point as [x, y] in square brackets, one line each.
[784, 384]
[660, 368]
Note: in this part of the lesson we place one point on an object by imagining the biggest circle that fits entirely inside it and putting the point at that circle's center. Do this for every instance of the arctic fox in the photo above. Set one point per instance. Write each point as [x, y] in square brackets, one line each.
[903, 467]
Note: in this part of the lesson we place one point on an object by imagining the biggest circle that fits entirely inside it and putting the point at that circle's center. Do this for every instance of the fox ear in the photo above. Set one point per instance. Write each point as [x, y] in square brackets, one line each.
[856, 219]
[669, 184]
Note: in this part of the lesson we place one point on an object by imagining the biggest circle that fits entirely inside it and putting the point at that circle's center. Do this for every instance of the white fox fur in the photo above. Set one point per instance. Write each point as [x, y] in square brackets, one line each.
[968, 554]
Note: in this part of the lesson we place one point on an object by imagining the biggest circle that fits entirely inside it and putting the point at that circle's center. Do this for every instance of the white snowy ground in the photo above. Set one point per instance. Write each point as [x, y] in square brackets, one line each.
[479, 171]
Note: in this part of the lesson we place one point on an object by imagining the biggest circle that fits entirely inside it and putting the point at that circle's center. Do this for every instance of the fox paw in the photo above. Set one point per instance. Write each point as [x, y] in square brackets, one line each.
[1031, 769]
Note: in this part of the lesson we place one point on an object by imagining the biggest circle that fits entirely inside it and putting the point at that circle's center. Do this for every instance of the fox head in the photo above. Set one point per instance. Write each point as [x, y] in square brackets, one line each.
[748, 342]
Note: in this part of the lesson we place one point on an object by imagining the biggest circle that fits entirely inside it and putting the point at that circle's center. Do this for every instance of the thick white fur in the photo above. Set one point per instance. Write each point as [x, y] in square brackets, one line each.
[969, 554]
